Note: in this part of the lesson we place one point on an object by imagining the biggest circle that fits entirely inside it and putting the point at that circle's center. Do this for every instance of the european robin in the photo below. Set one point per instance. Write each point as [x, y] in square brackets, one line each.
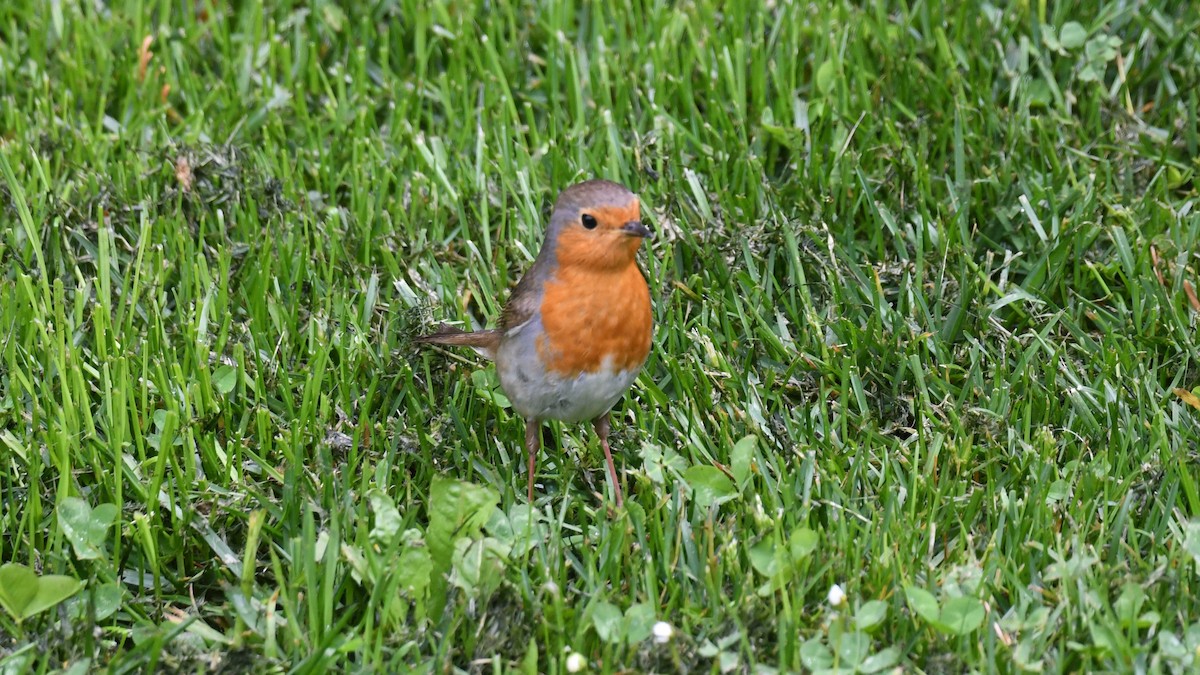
[576, 329]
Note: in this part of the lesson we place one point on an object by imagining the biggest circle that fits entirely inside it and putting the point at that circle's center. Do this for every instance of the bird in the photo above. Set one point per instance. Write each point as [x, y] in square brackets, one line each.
[577, 328]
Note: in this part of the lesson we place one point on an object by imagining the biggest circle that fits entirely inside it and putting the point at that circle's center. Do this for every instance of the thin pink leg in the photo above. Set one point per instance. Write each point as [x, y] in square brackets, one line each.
[533, 443]
[602, 429]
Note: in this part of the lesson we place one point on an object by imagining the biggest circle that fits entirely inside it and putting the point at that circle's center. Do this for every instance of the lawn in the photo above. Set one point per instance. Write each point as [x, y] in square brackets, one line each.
[925, 296]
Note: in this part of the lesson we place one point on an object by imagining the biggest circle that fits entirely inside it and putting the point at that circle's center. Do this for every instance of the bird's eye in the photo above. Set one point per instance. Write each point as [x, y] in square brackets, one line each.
[589, 221]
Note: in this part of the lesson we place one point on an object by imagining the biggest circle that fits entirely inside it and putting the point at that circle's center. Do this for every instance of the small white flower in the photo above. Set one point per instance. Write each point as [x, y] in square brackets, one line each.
[663, 632]
[837, 597]
[576, 662]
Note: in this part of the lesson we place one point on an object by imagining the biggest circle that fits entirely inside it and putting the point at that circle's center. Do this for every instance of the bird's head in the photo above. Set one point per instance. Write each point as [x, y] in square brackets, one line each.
[596, 224]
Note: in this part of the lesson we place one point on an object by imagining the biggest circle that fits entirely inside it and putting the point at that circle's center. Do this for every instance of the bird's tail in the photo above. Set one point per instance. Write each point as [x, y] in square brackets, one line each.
[484, 341]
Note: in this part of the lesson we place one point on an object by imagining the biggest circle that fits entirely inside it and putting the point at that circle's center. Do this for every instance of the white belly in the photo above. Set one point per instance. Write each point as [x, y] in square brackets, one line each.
[537, 394]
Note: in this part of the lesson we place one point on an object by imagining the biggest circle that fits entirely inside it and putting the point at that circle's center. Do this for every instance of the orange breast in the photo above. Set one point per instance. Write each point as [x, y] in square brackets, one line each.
[591, 315]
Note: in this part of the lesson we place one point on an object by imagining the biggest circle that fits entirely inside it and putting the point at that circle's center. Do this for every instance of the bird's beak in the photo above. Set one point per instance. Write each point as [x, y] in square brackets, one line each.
[635, 228]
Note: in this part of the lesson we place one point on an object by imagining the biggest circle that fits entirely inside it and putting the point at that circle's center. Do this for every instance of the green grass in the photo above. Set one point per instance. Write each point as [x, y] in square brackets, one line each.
[923, 331]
